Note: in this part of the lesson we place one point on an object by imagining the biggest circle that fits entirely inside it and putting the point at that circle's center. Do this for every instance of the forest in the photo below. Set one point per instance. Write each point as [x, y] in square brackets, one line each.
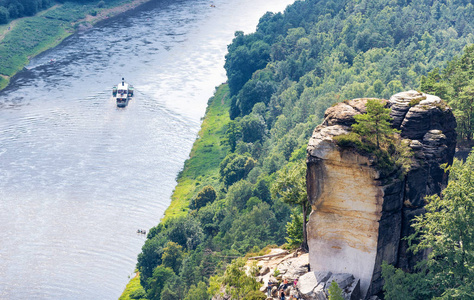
[239, 182]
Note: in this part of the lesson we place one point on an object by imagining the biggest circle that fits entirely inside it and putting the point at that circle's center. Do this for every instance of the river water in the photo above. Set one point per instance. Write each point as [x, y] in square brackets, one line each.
[78, 176]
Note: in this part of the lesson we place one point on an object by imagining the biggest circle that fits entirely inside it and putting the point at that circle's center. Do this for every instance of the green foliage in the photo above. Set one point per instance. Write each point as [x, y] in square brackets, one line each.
[258, 227]
[375, 124]
[28, 37]
[235, 167]
[183, 231]
[335, 292]
[252, 128]
[232, 135]
[352, 139]
[215, 283]
[172, 256]
[255, 295]
[294, 230]
[3, 82]
[138, 294]
[239, 194]
[399, 285]
[446, 232]
[238, 284]
[4, 15]
[454, 84]
[133, 290]
[20, 8]
[156, 283]
[290, 185]
[205, 196]
[243, 59]
[276, 273]
[198, 292]
[372, 134]
[254, 91]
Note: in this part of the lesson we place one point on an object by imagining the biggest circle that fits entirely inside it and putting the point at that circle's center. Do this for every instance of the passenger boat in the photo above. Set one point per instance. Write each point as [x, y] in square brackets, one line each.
[122, 93]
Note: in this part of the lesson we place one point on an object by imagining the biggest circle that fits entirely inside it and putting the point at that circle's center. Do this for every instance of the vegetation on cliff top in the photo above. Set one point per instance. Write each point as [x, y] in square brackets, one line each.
[372, 134]
[280, 81]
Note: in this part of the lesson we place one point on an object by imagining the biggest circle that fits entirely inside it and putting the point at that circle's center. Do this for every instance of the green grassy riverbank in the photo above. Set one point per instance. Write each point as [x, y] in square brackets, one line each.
[24, 38]
[202, 168]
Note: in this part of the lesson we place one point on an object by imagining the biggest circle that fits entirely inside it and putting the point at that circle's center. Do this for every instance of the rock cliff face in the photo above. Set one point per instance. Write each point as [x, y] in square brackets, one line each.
[359, 215]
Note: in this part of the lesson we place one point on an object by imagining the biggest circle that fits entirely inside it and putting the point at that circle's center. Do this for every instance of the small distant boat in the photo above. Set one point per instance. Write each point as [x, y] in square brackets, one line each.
[122, 93]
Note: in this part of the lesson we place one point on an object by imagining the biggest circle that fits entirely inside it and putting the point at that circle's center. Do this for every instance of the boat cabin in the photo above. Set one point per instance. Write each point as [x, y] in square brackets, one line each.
[122, 93]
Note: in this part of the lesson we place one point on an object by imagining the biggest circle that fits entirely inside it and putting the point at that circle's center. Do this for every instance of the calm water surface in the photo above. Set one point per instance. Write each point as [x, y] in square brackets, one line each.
[78, 176]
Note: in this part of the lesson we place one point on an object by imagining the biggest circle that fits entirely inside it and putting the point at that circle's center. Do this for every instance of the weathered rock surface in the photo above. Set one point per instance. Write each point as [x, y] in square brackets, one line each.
[361, 214]
[315, 285]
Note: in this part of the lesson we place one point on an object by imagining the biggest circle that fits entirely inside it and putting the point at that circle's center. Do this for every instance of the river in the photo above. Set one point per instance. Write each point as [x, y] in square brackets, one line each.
[78, 176]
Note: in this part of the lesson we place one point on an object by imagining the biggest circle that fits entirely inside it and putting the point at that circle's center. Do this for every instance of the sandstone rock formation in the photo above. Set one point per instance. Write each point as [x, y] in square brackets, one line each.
[361, 214]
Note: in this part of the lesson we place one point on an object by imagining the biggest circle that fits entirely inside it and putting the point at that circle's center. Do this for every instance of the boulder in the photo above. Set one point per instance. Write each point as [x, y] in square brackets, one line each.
[315, 285]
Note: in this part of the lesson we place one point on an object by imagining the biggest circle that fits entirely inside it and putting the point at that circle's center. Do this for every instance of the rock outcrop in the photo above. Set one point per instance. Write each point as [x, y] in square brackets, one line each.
[361, 214]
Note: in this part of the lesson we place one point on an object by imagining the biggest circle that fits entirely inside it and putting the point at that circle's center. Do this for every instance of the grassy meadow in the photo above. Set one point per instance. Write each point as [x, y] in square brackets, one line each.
[206, 154]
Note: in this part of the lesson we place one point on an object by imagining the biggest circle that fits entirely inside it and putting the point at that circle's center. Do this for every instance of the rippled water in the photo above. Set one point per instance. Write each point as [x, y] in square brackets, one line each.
[78, 176]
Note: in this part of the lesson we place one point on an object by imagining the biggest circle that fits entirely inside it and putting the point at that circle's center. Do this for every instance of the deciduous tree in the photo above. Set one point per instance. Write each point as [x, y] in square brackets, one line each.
[290, 185]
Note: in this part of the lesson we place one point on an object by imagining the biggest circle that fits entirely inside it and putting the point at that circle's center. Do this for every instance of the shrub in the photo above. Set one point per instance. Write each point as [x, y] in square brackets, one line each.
[205, 196]
[255, 295]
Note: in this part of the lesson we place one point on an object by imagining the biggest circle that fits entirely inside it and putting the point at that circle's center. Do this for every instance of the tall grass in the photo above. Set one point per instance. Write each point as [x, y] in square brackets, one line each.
[202, 168]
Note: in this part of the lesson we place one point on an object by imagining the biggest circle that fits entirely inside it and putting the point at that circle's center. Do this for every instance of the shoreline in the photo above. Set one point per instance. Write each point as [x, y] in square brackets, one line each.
[75, 26]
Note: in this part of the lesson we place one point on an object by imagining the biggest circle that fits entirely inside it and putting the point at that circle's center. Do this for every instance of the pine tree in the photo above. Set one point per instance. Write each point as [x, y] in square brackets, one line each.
[375, 123]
